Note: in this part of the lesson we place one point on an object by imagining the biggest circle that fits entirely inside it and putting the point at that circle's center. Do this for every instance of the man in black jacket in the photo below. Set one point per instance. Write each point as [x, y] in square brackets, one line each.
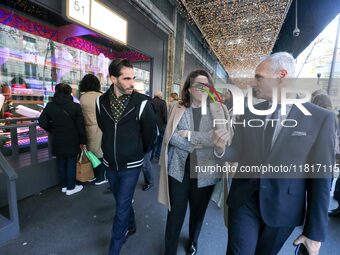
[128, 122]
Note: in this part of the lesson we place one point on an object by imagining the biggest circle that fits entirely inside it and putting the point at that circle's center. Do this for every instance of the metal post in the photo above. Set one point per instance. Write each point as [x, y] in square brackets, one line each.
[33, 143]
[12, 203]
[14, 141]
[49, 144]
[334, 57]
[10, 226]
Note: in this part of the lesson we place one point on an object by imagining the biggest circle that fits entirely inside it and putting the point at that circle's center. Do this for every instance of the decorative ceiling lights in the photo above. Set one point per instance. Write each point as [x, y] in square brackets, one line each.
[239, 32]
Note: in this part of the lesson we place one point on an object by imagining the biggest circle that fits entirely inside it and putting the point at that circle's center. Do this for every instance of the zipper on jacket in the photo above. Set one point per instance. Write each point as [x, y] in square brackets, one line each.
[121, 117]
[114, 145]
[114, 139]
[115, 136]
[107, 113]
[126, 114]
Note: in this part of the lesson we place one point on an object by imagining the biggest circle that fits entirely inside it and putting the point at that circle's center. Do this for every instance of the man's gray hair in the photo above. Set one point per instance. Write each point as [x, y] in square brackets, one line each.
[159, 94]
[282, 60]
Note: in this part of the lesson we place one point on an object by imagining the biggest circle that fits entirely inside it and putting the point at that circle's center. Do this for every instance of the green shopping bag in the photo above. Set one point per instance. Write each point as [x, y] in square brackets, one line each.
[93, 159]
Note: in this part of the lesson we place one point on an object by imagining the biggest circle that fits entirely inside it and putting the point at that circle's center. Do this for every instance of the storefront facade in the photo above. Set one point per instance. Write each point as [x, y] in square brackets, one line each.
[41, 46]
[42, 54]
[36, 53]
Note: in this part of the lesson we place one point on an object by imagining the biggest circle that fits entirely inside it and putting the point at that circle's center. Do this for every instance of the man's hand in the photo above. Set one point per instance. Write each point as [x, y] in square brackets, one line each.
[312, 246]
[83, 146]
[183, 133]
[220, 140]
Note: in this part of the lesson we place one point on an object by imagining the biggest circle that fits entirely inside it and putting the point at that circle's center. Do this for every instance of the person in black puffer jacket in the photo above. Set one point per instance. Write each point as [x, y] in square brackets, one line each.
[64, 119]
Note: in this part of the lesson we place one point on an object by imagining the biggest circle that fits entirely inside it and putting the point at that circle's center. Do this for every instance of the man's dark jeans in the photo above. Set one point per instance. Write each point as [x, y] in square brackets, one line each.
[123, 184]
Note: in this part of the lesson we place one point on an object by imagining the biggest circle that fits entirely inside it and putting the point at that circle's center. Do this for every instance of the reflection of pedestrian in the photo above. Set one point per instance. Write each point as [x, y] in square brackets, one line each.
[64, 119]
[90, 86]
[7, 106]
[128, 122]
[162, 117]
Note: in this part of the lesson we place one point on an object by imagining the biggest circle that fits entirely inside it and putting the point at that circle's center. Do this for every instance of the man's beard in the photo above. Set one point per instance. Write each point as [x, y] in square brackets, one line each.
[124, 90]
[256, 93]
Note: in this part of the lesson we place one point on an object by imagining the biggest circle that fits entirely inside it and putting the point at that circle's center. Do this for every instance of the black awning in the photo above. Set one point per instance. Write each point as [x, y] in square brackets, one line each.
[313, 17]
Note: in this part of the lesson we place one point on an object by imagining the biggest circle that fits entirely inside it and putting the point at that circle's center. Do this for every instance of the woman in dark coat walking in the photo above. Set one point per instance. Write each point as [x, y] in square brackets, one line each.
[64, 119]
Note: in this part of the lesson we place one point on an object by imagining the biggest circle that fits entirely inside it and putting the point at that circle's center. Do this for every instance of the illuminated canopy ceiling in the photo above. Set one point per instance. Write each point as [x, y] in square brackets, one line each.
[239, 32]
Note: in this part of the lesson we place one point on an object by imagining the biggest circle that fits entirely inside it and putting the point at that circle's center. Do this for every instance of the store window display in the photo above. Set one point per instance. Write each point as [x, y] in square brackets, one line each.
[33, 61]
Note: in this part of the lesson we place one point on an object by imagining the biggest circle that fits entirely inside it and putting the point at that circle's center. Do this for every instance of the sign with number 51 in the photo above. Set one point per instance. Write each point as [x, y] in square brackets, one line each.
[98, 17]
[79, 11]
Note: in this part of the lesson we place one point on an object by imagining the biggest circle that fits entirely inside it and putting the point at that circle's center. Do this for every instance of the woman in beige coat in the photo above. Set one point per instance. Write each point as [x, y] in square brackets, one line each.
[188, 144]
[90, 86]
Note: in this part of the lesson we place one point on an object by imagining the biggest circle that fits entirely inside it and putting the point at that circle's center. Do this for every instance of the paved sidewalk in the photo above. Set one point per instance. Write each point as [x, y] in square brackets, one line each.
[54, 224]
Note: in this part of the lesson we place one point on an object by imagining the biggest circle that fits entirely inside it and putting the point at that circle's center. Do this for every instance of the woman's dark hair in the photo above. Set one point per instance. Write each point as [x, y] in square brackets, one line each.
[89, 82]
[62, 89]
[117, 65]
[186, 100]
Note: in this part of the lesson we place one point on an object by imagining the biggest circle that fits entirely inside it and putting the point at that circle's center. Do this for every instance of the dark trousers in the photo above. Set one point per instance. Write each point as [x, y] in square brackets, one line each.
[337, 191]
[67, 171]
[248, 234]
[157, 149]
[180, 195]
[99, 172]
[123, 184]
[147, 168]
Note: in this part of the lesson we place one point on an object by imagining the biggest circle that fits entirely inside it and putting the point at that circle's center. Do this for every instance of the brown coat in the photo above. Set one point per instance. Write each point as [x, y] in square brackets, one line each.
[93, 132]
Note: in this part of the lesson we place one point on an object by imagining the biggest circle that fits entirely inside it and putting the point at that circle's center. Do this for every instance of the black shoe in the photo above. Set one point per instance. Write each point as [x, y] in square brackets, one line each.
[334, 212]
[192, 249]
[147, 186]
[130, 232]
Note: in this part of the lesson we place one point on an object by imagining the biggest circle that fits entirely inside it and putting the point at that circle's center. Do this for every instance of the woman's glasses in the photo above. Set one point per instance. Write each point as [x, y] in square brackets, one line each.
[200, 86]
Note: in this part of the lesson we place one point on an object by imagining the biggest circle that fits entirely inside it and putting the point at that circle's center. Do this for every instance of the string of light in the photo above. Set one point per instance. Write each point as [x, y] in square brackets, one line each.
[239, 32]
[26, 6]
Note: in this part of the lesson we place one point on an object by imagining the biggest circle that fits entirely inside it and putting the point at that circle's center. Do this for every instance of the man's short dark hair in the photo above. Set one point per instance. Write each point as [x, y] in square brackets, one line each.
[89, 82]
[117, 65]
[63, 89]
